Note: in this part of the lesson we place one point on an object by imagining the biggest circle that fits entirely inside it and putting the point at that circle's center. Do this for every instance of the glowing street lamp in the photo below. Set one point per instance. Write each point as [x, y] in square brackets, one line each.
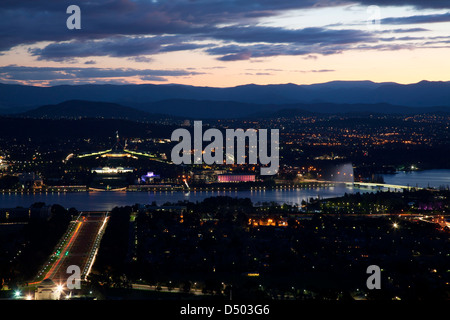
[59, 288]
[17, 293]
[395, 225]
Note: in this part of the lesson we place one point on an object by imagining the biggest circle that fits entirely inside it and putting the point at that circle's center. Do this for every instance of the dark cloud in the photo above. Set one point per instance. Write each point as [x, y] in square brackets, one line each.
[153, 78]
[310, 57]
[184, 46]
[315, 71]
[258, 42]
[421, 4]
[27, 22]
[245, 52]
[118, 46]
[387, 47]
[306, 36]
[21, 73]
[245, 55]
[140, 59]
[31, 21]
[418, 19]
[308, 40]
[408, 30]
[135, 29]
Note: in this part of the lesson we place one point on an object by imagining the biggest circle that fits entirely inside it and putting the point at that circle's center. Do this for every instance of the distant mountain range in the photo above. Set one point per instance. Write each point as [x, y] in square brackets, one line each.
[205, 102]
[203, 109]
[74, 109]
[177, 110]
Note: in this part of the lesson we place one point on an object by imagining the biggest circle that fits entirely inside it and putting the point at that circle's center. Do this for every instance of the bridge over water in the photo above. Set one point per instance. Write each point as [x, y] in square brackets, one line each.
[380, 186]
[369, 185]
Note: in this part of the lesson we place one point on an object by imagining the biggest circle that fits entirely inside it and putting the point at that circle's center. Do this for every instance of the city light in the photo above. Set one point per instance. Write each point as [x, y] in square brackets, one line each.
[260, 157]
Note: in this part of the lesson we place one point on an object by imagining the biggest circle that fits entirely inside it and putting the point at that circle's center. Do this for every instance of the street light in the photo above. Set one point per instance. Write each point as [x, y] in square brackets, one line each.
[17, 293]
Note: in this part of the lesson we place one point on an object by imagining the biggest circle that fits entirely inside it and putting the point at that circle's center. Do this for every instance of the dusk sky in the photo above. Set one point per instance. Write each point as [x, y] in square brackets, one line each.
[224, 43]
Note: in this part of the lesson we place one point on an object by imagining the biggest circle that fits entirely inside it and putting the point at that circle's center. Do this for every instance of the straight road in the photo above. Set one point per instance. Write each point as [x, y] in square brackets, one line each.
[79, 247]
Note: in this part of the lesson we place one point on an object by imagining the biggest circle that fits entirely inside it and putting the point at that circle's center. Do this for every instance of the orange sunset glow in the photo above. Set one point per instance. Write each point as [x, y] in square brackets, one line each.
[225, 43]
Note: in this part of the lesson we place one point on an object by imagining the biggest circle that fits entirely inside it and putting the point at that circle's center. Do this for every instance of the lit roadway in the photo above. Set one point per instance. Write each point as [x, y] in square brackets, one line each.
[77, 247]
[380, 185]
[371, 185]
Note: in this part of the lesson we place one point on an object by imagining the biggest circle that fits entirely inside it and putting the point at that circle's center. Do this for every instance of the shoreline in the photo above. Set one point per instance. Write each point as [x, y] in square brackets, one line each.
[150, 188]
[234, 187]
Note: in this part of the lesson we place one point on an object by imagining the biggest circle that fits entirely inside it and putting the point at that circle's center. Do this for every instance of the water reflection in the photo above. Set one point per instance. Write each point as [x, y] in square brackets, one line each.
[423, 179]
[108, 200]
[293, 195]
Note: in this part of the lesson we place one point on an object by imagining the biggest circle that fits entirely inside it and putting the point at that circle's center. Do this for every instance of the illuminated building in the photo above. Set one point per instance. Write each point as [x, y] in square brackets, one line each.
[267, 222]
[3, 164]
[113, 166]
[236, 178]
[206, 175]
[117, 151]
[118, 155]
[149, 177]
[108, 170]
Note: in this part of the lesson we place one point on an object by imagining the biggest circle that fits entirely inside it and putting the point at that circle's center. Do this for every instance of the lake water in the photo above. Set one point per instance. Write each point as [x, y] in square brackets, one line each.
[421, 179]
[103, 201]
